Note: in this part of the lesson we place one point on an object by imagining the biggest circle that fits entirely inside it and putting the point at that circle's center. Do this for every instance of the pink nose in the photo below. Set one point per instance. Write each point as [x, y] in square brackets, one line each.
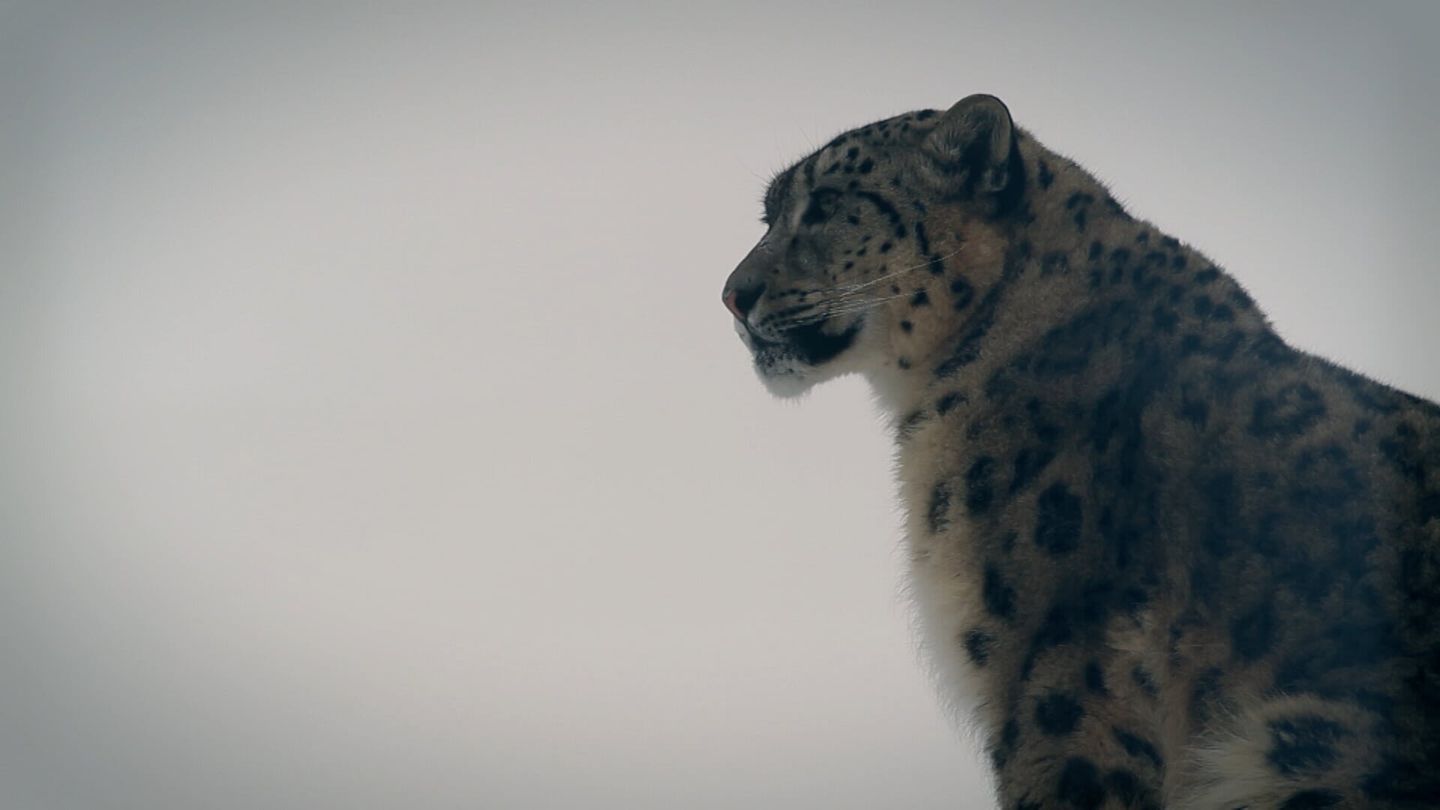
[731, 303]
[742, 300]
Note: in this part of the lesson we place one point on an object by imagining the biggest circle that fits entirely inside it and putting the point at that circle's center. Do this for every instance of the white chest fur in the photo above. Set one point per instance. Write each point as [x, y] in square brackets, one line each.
[944, 587]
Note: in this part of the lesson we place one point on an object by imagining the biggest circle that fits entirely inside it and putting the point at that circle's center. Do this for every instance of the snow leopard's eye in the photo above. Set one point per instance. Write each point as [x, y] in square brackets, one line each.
[823, 204]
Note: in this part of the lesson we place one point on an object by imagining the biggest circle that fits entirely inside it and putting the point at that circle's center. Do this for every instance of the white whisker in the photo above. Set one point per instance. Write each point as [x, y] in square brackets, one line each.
[847, 308]
[846, 299]
[844, 290]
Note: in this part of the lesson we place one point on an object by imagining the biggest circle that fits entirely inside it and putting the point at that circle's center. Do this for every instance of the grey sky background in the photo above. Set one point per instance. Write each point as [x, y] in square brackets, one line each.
[372, 436]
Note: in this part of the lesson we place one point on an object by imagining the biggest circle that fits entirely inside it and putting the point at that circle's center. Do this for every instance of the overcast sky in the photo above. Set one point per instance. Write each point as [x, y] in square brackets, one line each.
[372, 435]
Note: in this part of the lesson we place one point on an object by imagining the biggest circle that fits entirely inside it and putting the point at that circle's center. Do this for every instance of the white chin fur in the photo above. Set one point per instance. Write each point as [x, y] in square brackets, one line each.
[786, 383]
[789, 377]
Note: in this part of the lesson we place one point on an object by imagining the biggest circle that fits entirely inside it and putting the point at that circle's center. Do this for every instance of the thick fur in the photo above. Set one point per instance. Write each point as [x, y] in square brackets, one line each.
[1167, 559]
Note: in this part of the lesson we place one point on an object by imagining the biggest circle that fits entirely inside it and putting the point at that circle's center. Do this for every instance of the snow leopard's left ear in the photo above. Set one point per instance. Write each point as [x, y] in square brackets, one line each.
[972, 153]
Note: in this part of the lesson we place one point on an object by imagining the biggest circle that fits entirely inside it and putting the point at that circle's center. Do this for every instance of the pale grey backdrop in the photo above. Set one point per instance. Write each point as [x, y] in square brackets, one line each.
[372, 435]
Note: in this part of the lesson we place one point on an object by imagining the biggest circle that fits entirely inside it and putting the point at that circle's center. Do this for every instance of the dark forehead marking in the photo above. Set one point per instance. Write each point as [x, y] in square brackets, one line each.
[886, 208]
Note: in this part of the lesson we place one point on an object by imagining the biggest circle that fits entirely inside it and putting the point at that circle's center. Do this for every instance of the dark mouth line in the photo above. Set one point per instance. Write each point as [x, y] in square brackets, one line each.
[815, 347]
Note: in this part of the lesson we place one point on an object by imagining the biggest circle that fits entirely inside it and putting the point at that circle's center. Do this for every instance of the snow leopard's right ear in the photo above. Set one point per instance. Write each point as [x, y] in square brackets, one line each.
[972, 154]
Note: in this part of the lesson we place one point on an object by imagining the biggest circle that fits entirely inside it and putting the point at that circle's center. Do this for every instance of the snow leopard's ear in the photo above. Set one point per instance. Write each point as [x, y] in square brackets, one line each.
[972, 153]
